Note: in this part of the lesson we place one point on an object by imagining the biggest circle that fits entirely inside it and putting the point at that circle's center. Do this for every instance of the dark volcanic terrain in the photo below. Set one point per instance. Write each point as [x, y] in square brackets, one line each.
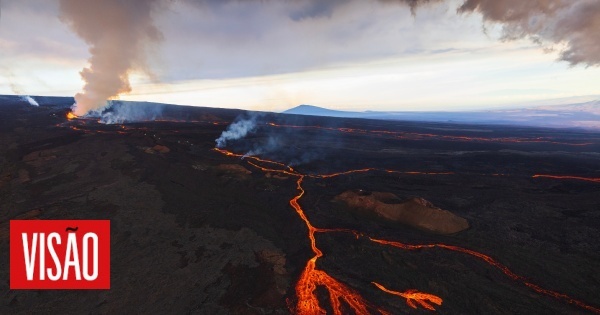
[196, 230]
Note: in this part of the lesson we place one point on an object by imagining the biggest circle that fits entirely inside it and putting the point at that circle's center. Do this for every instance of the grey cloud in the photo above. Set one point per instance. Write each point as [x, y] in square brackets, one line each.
[30, 28]
[548, 22]
[303, 9]
[267, 36]
[314, 9]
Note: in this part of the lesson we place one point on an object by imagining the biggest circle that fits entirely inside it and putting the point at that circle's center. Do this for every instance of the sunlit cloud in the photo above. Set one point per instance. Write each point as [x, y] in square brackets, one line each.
[361, 56]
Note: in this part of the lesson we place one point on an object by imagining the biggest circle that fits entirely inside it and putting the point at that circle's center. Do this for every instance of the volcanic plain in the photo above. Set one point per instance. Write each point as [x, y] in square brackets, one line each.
[406, 217]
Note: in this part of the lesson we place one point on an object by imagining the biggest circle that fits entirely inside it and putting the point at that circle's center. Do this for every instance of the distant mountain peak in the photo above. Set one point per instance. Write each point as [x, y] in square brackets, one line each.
[583, 115]
[313, 110]
[306, 106]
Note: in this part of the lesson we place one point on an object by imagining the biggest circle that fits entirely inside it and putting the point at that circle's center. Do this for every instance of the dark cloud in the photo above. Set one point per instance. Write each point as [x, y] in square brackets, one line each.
[117, 31]
[315, 9]
[574, 24]
[303, 9]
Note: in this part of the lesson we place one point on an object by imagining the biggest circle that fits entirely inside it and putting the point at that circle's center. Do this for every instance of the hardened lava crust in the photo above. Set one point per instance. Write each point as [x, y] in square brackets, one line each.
[309, 214]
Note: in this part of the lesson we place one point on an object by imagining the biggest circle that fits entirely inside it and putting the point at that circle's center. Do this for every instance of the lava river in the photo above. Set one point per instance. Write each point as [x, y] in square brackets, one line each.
[342, 298]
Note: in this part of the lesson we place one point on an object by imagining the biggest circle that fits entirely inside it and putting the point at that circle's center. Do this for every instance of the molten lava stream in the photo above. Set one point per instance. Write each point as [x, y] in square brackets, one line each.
[306, 288]
[243, 156]
[365, 170]
[339, 293]
[341, 296]
[588, 179]
[423, 136]
[311, 278]
[492, 262]
[414, 298]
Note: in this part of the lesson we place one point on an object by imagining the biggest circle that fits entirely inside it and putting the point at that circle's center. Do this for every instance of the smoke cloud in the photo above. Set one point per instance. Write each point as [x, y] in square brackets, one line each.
[573, 26]
[116, 32]
[30, 100]
[281, 144]
[16, 89]
[117, 112]
[237, 130]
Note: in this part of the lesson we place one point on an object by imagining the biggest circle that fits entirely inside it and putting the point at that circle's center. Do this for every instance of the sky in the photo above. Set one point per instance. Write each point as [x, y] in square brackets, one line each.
[273, 55]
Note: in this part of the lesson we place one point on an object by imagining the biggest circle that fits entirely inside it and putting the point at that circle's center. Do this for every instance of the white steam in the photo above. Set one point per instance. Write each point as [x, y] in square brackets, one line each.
[117, 33]
[29, 100]
[273, 144]
[118, 112]
[237, 130]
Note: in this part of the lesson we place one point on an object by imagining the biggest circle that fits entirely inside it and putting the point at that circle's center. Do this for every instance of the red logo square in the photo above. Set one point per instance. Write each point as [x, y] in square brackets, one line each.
[60, 254]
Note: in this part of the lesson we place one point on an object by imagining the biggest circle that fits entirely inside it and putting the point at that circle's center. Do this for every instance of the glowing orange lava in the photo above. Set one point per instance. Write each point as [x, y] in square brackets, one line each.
[425, 136]
[342, 297]
[588, 179]
[494, 263]
[311, 277]
[251, 157]
[414, 297]
[365, 170]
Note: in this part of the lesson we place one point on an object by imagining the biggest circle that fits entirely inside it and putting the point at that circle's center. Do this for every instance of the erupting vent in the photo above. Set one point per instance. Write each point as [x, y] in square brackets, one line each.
[343, 298]
[70, 115]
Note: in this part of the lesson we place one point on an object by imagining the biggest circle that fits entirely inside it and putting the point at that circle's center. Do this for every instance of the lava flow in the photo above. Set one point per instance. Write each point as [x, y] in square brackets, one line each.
[311, 277]
[492, 262]
[587, 179]
[340, 295]
[413, 297]
[70, 116]
[427, 136]
[364, 170]
[343, 298]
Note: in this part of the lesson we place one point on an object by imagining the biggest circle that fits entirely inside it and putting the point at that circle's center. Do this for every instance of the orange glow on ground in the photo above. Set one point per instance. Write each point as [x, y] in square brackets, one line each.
[414, 297]
[342, 298]
[588, 179]
[311, 277]
[494, 263]
[339, 293]
[70, 116]
[365, 170]
[429, 136]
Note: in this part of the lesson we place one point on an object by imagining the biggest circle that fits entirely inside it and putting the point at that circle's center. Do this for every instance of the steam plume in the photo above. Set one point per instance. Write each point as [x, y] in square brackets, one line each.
[16, 89]
[237, 130]
[116, 32]
[118, 112]
[30, 100]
